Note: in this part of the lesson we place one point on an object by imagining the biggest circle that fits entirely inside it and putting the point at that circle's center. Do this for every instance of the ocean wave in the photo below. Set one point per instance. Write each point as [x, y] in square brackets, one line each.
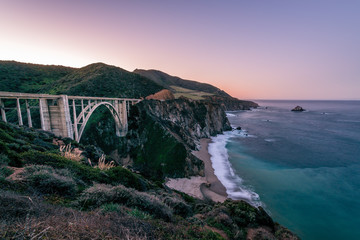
[230, 115]
[224, 171]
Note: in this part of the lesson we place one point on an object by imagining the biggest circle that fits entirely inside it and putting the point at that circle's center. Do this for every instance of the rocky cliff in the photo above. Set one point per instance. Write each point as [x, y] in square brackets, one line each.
[189, 120]
[162, 135]
[232, 104]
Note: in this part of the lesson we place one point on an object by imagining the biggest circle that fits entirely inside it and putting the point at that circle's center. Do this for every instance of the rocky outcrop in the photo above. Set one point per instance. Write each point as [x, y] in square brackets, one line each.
[162, 135]
[231, 104]
[298, 109]
[189, 120]
[161, 95]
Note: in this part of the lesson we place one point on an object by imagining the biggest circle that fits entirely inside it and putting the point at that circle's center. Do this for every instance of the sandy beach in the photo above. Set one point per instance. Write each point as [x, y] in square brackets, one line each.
[208, 187]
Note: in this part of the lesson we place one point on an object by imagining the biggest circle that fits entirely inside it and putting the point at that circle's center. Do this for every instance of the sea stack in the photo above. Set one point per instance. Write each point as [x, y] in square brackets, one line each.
[298, 109]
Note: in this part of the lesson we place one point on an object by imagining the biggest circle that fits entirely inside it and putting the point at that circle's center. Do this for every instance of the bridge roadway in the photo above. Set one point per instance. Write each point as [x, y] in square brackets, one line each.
[65, 115]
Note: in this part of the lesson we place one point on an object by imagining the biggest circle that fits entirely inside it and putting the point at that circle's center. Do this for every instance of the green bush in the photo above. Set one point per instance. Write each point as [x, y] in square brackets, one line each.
[111, 207]
[47, 180]
[4, 160]
[5, 171]
[245, 215]
[123, 176]
[179, 207]
[139, 214]
[87, 173]
[100, 194]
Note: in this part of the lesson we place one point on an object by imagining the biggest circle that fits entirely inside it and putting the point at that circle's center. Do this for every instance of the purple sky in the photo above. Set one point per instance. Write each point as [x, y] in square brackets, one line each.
[305, 49]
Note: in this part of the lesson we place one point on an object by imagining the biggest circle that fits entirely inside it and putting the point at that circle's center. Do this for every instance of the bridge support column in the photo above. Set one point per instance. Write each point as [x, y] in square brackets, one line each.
[19, 112]
[28, 113]
[3, 114]
[66, 125]
[44, 114]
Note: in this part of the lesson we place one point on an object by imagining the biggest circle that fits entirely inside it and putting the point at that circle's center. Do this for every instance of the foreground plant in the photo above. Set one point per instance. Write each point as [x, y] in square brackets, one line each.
[68, 152]
[102, 165]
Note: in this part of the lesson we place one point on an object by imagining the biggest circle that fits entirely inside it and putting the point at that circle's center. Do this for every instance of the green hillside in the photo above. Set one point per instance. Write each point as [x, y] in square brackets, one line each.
[178, 85]
[96, 79]
[100, 80]
[30, 78]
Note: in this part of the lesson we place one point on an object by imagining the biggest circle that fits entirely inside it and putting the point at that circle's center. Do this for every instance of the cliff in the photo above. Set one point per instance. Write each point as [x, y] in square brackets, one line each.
[163, 133]
[189, 120]
[232, 104]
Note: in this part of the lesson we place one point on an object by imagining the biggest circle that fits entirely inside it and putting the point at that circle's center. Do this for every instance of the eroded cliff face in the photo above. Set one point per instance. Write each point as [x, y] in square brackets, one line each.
[232, 104]
[189, 120]
[162, 135]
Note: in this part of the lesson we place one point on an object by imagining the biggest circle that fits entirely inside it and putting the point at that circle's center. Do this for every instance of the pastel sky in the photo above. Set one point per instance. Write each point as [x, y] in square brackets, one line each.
[254, 49]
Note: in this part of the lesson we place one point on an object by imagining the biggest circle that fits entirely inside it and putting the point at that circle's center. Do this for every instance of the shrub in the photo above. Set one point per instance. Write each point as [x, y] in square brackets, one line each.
[14, 206]
[86, 173]
[47, 180]
[139, 214]
[5, 171]
[123, 176]
[179, 207]
[111, 207]
[4, 160]
[100, 194]
[245, 215]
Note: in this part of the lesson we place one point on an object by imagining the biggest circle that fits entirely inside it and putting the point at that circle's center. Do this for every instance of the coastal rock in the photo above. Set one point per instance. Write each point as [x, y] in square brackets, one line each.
[298, 109]
[162, 135]
[189, 119]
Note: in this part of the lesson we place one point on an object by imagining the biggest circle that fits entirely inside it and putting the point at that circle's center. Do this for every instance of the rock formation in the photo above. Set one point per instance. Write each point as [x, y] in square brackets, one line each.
[298, 109]
[162, 135]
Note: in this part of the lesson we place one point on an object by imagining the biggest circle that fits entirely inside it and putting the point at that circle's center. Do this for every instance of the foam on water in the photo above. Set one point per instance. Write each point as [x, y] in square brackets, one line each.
[225, 172]
[230, 115]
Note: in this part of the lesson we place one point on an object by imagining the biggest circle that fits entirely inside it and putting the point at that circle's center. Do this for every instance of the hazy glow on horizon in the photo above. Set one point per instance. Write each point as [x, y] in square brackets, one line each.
[251, 49]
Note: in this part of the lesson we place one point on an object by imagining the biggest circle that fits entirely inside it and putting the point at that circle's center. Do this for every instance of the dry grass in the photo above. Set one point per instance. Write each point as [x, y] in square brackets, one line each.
[102, 165]
[192, 94]
[69, 153]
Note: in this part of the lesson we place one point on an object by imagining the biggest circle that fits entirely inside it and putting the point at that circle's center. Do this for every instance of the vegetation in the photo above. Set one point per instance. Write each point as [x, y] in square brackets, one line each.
[30, 78]
[178, 85]
[49, 196]
[158, 154]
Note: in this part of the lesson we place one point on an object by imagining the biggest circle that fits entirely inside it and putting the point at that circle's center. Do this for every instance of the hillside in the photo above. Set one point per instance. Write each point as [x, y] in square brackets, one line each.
[96, 79]
[30, 78]
[178, 85]
[196, 90]
[99, 79]
[47, 193]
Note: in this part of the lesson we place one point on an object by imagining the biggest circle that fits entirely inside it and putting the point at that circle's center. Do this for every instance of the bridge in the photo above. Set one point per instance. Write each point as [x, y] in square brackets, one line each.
[63, 115]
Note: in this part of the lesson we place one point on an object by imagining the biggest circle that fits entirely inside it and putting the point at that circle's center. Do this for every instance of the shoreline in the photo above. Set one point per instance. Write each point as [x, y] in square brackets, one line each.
[208, 187]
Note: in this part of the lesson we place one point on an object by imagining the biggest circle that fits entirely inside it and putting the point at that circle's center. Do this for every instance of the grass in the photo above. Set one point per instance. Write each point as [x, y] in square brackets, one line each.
[188, 93]
[102, 165]
[68, 152]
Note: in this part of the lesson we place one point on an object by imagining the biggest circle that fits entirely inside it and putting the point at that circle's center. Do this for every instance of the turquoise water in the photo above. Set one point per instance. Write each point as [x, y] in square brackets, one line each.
[304, 168]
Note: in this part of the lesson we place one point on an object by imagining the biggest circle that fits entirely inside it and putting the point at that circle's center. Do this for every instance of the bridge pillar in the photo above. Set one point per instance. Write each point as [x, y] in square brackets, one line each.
[123, 114]
[3, 113]
[44, 114]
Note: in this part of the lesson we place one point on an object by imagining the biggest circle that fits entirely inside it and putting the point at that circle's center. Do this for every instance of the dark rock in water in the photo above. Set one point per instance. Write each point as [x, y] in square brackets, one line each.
[298, 109]
[238, 128]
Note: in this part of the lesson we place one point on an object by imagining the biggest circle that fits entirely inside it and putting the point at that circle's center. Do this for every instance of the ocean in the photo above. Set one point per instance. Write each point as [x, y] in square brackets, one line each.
[302, 167]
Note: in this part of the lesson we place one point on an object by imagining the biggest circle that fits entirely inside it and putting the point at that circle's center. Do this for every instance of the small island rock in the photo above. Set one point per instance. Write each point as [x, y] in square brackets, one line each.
[298, 109]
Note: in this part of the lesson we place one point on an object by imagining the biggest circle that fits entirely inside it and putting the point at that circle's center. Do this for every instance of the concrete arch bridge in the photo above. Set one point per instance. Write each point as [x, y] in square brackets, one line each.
[64, 115]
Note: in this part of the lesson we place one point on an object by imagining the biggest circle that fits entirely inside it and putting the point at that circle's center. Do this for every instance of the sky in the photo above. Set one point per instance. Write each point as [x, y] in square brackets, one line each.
[252, 49]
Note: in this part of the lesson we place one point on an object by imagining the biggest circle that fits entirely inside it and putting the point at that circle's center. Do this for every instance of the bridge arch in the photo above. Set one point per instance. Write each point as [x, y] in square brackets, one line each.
[118, 124]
